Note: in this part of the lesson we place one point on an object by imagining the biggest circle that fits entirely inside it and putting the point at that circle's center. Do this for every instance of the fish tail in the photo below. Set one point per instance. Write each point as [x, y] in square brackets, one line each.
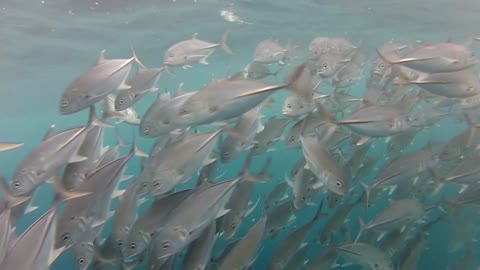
[361, 230]
[119, 139]
[135, 56]
[61, 194]
[94, 121]
[439, 181]
[135, 151]
[367, 189]
[223, 43]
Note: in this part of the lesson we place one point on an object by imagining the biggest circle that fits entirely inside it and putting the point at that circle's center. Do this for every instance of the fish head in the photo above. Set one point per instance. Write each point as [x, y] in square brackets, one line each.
[258, 148]
[174, 57]
[24, 181]
[188, 111]
[294, 106]
[338, 185]
[380, 265]
[229, 149]
[162, 182]
[326, 67]
[73, 100]
[124, 100]
[68, 226]
[132, 117]
[83, 254]
[231, 223]
[120, 236]
[292, 140]
[136, 242]
[169, 242]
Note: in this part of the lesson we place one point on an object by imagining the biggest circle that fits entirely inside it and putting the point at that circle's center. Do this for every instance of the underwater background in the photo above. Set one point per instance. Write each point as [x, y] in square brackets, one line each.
[45, 44]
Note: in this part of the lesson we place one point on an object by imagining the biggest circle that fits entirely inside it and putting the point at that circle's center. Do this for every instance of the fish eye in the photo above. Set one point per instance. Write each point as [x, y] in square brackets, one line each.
[325, 65]
[184, 111]
[16, 185]
[291, 138]
[145, 184]
[138, 116]
[233, 226]
[120, 101]
[470, 88]
[66, 237]
[381, 65]
[376, 265]
[156, 184]
[289, 106]
[255, 146]
[301, 106]
[171, 55]
[65, 103]
[133, 246]
[338, 183]
[81, 261]
[226, 154]
[269, 142]
[166, 245]
[146, 129]
[120, 243]
[166, 121]
[329, 46]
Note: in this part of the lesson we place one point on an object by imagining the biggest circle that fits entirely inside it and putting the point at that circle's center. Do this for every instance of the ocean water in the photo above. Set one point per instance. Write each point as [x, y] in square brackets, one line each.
[45, 44]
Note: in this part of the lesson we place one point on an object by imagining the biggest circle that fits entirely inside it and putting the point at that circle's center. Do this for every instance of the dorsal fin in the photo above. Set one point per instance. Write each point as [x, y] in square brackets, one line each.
[101, 58]
[179, 91]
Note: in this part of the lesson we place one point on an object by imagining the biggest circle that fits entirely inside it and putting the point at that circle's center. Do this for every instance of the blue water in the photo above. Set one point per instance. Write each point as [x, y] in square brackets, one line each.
[46, 44]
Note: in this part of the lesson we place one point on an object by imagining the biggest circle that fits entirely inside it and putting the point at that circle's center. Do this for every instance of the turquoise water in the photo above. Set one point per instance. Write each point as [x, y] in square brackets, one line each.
[46, 44]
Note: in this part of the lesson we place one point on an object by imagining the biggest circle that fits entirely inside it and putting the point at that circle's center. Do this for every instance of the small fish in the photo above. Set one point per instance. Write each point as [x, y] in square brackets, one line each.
[276, 196]
[142, 83]
[246, 128]
[145, 227]
[161, 117]
[129, 115]
[436, 58]
[296, 106]
[269, 51]
[258, 71]
[272, 132]
[106, 76]
[294, 241]
[192, 51]
[320, 161]
[245, 251]
[366, 255]
[200, 250]
[279, 218]
[303, 185]
[49, 156]
[324, 260]
[399, 214]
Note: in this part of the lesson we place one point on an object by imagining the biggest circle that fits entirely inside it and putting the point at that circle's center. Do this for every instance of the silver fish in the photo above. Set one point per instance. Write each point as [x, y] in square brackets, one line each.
[95, 84]
[257, 71]
[199, 251]
[187, 52]
[161, 118]
[270, 51]
[75, 173]
[324, 260]
[129, 115]
[366, 255]
[276, 196]
[246, 128]
[244, 253]
[398, 214]
[321, 163]
[279, 218]
[49, 156]
[272, 132]
[436, 57]
[169, 169]
[150, 222]
[284, 252]
[239, 201]
[142, 83]
[187, 222]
